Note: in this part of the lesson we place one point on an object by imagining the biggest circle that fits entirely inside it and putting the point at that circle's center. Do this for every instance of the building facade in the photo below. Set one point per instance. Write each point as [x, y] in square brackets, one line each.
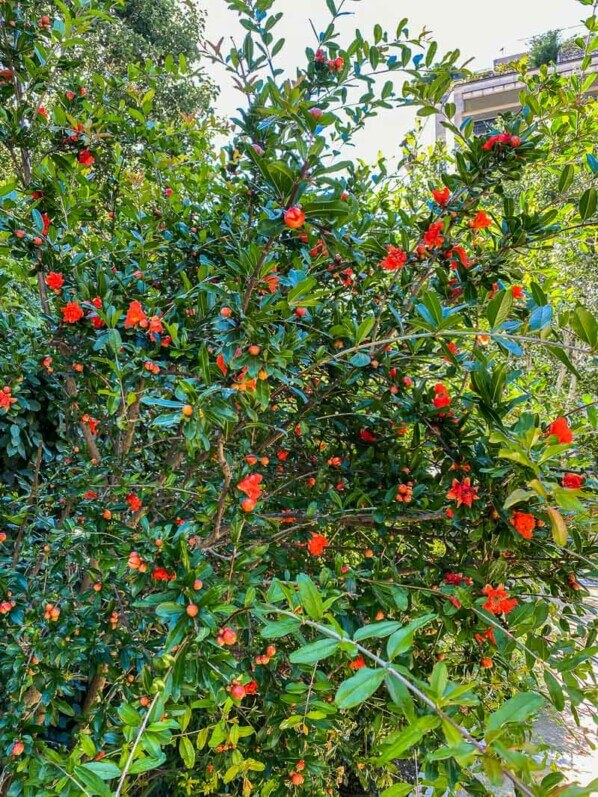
[485, 98]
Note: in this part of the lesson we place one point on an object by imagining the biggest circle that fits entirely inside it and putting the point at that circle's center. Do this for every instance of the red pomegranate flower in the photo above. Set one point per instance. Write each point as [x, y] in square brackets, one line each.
[462, 492]
[54, 280]
[441, 196]
[71, 312]
[317, 544]
[6, 399]
[458, 253]
[336, 64]
[501, 138]
[480, 221]
[366, 436]
[499, 601]
[573, 481]
[155, 327]
[161, 574]
[560, 428]
[135, 316]
[135, 503]
[524, 524]
[221, 363]
[93, 423]
[433, 237]
[85, 158]
[395, 259]
[251, 486]
[442, 398]
[457, 579]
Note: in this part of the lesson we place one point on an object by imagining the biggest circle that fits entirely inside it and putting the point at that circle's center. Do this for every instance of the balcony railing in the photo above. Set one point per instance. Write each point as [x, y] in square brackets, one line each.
[507, 72]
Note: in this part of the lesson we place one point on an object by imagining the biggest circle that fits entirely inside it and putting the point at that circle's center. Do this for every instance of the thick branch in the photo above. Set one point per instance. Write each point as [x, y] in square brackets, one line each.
[228, 476]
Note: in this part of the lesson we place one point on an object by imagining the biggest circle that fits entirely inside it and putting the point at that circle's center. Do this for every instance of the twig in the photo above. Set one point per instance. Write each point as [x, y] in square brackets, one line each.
[142, 728]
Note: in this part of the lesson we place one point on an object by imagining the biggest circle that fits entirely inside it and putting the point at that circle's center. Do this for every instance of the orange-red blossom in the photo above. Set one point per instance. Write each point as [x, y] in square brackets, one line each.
[462, 492]
[524, 524]
[499, 601]
[317, 544]
[560, 429]
[251, 486]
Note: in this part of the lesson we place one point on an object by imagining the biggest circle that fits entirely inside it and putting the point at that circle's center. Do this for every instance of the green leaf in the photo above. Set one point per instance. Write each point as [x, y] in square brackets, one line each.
[592, 162]
[463, 753]
[87, 745]
[105, 770]
[146, 763]
[360, 360]
[358, 688]
[187, 751]
[567, 499]
[400, 696]
[585, 325]
[128, 715]
[169, 419]
[169, 609]
[540, 318]
[516, 497]
[558, 527]
[295, 295]
[156, 401]
[397, 790]
[38, 221]
[400, 742]
[588, 203]
[580, 791]
[376, 630]
[515, 456]
[561, 355]
[313, 652]
[402, 640]
[566, 178]
[280, 628]
[517, 709]
[554, 690]
[203, 361]
[8, 188]
[364, 329]
[439, 679]
[333, 210]
[310, 597]
[278, 47]
[94, 785]
[499, 308]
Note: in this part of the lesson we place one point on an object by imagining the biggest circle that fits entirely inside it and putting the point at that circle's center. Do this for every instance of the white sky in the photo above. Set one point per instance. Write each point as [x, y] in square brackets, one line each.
[479, 28]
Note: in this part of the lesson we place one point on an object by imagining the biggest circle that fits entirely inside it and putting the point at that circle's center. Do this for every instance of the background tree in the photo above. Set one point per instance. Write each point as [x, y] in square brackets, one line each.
[544, 49]
[161, 33]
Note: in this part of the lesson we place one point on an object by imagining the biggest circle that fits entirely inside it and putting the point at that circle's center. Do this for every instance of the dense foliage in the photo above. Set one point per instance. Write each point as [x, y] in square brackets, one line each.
[281, 506]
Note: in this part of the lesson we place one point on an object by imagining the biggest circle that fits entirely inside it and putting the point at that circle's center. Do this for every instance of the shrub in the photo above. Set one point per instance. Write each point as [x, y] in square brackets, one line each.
[280, 512]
